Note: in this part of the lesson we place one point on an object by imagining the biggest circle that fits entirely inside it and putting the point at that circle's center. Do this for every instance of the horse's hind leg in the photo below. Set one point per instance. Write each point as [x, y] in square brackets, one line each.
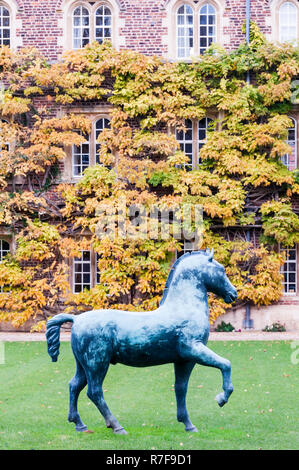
[182, 373]
[76, 385]
[95, 380]
[199, 353]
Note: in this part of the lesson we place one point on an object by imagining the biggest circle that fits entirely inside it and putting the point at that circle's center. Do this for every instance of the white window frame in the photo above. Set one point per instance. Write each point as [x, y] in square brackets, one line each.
[82, 166]
[185, 26]
[81, 27]
[103, 26]
[292, 21]
[75, 152]
[97, 271]
[184, 141]
[208, 35]
[285, 270]
[195, 140]
[207, 122]
[81, 262]
[3, 253]
[293, 143]
[97, 131]
[172, 8]
[5, 27]
[68, 8]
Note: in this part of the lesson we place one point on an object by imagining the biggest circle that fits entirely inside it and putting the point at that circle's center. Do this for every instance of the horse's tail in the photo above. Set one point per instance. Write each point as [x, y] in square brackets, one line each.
[53, 333]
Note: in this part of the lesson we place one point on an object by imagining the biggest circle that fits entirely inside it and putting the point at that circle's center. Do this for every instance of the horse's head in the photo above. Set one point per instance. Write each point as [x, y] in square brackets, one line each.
[199, 271]
[216, 280]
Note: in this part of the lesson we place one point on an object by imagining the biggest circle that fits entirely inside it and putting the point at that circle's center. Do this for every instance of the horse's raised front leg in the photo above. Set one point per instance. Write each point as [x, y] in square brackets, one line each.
[76, 385]
[182, 373]
[95, 378]
[199, 353]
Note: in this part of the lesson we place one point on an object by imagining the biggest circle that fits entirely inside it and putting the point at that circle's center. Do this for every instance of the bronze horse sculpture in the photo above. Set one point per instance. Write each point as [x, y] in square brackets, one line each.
[177, 332]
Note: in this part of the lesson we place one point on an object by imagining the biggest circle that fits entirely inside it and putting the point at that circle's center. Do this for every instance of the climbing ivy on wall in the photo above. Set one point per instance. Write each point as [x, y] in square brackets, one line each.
[240, 182]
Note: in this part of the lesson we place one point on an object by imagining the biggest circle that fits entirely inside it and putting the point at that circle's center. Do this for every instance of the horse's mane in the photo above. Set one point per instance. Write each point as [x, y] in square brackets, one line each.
[173, 269]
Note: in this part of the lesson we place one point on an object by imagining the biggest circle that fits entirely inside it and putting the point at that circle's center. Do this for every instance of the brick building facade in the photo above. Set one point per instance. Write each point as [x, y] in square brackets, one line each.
[174, 30]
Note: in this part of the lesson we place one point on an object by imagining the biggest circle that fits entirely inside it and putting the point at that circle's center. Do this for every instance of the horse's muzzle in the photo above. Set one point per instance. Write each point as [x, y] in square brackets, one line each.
[231, 297]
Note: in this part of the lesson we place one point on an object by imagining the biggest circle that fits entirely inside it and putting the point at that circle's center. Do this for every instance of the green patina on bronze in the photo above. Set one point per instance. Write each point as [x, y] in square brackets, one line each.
[177, 332]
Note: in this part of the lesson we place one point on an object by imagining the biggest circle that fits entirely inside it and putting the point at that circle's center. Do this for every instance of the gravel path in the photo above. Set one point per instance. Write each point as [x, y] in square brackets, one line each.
[242, 336]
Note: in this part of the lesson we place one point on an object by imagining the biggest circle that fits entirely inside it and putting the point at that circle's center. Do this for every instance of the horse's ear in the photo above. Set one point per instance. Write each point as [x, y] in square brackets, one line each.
[211, 254]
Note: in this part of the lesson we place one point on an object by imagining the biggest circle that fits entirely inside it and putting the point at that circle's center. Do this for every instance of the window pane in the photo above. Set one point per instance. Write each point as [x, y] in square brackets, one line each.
[100, 125]
[81, 157]
[81, 32]
[288, 28]
[290, 159]
[4, 27]
[103, 19]
[82, 272]
[184, 31]
[4, 250]
[289, 269]
[207, 35]
[185, 140]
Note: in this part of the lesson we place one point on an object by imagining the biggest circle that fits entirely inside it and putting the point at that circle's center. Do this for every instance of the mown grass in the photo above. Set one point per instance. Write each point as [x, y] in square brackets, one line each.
[263, 412]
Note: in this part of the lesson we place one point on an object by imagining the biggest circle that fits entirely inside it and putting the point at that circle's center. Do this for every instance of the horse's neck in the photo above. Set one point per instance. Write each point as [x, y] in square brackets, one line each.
[188, 295]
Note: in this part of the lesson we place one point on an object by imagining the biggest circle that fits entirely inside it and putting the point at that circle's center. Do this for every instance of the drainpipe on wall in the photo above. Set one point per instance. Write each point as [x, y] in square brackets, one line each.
[248, 31]
[247, 21]
[248, 322]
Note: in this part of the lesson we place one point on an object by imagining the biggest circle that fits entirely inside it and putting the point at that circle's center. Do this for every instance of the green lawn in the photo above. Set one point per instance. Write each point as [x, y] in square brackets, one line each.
[263, 411]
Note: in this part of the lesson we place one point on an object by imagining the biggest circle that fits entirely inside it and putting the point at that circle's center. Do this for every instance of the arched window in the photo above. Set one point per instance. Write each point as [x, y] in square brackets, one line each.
[290, 159]
[207, 27]
[288, 22]
[185, 31]
[81, 27]
[195, 25]
[100, 125]
[5, 25]
[90, 21]
[87, 153]
[103, 24]
[81, 157]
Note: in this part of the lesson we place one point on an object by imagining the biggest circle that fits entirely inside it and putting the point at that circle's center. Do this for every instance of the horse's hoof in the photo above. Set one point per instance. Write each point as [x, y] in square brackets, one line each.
[120, 431]
[193, 429]
[221, 399]
[81, 428]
